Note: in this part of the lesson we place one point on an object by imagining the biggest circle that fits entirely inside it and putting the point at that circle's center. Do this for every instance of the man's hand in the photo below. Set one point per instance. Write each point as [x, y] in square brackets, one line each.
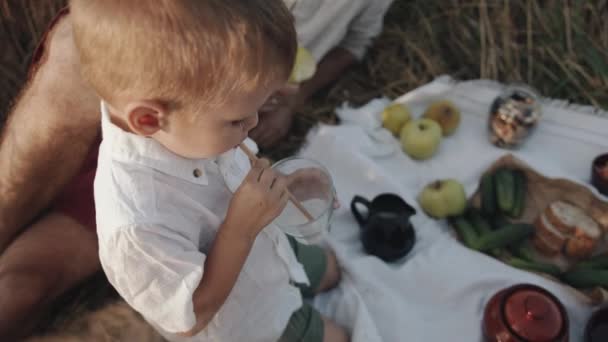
[276, 116]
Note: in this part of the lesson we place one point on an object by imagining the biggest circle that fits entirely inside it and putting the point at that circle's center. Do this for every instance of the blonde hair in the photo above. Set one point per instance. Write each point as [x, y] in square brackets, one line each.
[179, 51]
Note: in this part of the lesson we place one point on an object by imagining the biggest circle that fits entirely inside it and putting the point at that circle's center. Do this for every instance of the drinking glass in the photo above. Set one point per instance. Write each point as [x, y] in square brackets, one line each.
[311, 185]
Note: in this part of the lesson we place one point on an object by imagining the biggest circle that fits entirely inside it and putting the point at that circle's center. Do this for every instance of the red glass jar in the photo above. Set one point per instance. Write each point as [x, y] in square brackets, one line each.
[525, 313]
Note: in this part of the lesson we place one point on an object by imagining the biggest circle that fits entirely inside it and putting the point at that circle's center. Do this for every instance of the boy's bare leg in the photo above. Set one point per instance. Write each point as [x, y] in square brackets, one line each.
[332, 275]
[50, 257]
[331, 278]
[333, 332]
[47, 135]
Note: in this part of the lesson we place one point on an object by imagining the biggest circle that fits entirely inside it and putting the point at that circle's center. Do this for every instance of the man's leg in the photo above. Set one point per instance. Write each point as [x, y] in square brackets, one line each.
[54, 123]
[48, 258]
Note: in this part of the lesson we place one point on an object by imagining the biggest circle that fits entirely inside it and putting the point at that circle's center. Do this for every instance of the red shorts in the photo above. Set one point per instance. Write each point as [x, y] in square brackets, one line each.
[76, 199]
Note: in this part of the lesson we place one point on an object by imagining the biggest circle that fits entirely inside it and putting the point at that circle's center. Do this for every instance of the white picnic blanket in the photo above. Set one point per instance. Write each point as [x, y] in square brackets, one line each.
[438, 293]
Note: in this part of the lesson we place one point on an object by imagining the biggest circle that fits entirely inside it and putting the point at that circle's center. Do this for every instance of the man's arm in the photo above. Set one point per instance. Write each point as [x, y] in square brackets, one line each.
[47, 135]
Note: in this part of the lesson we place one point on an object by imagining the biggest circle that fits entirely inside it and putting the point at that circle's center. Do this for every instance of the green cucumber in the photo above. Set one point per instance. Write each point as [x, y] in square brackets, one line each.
[505, 190]
[482, 226]
[596, 262]
[500, 221]
[505, 236]
[488, 194]
[466, 231]
[524, 251]
[520, 191]
[535, 266]
[585, 277]
[479, 222]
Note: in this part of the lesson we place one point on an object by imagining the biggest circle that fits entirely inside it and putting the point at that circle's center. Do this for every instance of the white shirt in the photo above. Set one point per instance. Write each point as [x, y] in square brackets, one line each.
[157, 216]
[325, 24]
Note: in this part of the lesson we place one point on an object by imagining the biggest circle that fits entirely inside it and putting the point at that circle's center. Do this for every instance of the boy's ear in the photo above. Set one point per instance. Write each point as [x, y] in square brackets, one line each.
[145, 117]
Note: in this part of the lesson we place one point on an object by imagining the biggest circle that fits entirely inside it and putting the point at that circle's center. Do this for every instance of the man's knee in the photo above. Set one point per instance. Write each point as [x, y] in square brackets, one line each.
[35, 262]
[22, 294]
[24, 287]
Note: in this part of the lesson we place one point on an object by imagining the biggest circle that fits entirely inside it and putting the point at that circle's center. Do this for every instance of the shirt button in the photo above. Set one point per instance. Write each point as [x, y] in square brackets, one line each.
[197, 173]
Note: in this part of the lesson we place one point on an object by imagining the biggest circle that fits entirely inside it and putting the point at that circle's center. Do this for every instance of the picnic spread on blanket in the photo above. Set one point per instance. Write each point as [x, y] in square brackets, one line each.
[469, 211]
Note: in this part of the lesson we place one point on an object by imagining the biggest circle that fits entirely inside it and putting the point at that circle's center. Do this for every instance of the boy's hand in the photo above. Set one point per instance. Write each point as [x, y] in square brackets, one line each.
[260, 199]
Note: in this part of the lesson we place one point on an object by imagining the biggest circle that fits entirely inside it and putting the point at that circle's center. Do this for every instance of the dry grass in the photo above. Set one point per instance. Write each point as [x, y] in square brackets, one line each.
[114, 322]
[560, 47]
[22, 23]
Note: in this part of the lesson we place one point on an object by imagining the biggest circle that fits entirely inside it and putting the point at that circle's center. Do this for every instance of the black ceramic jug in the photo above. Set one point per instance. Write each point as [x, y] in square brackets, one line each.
[386, 230]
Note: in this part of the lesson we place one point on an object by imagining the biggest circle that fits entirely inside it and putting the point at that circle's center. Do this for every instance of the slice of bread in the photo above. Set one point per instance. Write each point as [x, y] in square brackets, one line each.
[543, 247]
[562, 215]
[588, 226]
[580, 246]
[579, 230]
[549, 233]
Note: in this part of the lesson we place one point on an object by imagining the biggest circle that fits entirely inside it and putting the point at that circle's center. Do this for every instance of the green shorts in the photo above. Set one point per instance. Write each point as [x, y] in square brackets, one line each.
[306, 324]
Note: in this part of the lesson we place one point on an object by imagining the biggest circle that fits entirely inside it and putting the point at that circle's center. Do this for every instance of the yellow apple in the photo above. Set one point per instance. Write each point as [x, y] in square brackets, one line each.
[443, 198]
[421, 138]
[395, 116]
[446, 114]
[304, 67]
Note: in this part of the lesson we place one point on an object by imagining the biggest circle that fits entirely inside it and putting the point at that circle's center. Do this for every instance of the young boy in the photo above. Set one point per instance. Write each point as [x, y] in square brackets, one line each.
[184, 222]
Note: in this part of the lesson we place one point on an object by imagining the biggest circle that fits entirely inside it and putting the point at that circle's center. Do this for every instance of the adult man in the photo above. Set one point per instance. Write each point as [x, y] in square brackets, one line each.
[41, 153]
